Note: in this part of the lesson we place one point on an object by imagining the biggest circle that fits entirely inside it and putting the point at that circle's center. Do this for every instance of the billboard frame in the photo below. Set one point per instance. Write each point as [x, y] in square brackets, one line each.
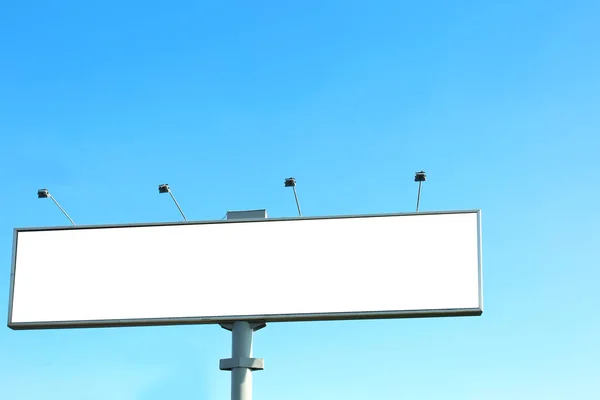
[333, 316]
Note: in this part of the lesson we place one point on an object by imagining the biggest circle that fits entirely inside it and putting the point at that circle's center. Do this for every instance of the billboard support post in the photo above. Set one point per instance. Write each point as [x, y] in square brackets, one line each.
[241, 364]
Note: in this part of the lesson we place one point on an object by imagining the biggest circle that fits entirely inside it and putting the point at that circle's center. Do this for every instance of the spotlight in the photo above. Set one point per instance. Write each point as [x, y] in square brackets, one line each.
[164, 188]
[45, 194]
[420, 177]
[291, 182]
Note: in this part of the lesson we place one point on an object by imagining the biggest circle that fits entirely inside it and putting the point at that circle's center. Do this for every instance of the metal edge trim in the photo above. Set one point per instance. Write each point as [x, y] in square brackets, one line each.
[13, 270]
[455, 312]
[480, 259]
[241, 221]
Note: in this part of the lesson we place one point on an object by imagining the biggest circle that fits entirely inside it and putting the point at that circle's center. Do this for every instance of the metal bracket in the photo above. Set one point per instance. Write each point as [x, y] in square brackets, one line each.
[254, 325]
[255, 364]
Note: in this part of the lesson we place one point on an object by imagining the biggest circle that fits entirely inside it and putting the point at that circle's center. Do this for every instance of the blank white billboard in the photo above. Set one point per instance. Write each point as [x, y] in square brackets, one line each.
[373, 266]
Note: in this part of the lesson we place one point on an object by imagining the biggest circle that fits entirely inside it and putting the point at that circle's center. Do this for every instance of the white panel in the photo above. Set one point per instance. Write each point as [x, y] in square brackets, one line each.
[260, 268]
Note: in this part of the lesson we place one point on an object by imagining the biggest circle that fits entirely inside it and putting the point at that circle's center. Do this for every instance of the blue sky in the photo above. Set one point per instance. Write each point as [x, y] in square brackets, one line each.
[497, 101]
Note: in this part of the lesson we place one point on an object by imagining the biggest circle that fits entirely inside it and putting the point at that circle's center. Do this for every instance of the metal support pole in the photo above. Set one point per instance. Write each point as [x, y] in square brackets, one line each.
[419, 196]
[241, 346]
[61, 209]
[177, 204]
[241, 364]
[297, 202]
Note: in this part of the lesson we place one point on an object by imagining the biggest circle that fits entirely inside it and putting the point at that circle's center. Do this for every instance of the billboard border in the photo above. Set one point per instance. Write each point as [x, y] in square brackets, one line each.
[313, 317]
[354, 315]
[239, 221]
[479, 260]
[13, 268]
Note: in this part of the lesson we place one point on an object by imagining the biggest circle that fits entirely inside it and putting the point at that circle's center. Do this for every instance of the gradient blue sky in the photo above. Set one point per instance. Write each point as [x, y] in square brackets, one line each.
[499, 102]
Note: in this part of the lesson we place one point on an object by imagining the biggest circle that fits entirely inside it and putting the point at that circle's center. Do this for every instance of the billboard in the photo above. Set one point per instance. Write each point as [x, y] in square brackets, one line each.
[289, 269]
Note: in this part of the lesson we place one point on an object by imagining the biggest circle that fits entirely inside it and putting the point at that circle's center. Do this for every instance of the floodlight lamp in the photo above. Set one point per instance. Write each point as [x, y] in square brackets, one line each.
[45, 194]
[420, 176]
[164, 188]
[290, 182]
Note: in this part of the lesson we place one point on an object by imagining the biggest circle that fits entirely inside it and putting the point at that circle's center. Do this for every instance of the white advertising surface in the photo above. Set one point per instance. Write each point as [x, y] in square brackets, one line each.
[374, 266]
